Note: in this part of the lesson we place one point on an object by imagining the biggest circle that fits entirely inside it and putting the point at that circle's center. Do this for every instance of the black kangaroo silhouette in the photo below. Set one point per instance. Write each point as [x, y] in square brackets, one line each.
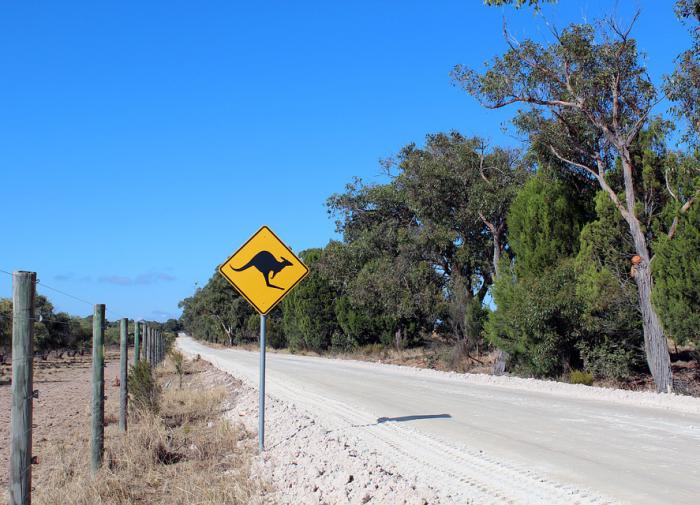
[266, 264]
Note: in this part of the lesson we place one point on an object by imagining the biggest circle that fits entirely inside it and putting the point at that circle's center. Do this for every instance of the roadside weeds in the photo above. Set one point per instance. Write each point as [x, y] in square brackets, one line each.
[188, 454]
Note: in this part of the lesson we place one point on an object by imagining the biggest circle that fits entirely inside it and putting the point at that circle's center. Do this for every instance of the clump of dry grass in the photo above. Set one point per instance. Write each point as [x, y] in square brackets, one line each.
[188, 454]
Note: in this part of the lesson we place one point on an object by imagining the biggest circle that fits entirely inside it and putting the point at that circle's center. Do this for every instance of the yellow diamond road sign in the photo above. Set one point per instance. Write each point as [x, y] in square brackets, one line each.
[264, 270]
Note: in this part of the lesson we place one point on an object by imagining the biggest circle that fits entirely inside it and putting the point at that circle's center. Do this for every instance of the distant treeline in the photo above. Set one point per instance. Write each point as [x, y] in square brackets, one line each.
[578, 251]
[62, 332]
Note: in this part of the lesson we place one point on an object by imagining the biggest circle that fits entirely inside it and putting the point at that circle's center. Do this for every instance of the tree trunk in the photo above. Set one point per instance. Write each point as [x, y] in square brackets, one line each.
[398, 339]
[655, 346]
[499, 366]
[496, 255]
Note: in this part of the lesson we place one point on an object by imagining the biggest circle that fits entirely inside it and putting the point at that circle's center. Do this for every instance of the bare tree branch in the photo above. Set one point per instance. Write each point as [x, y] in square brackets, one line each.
[599, 175]
[685, 208]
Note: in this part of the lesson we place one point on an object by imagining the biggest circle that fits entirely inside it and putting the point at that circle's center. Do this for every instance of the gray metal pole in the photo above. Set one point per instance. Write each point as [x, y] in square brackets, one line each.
[123, 364]
[137, 343]
[23, 284]
[261, 414]
[98, 387]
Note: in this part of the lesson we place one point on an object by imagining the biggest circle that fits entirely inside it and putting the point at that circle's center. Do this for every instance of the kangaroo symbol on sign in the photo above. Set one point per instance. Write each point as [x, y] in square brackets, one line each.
[267, 265]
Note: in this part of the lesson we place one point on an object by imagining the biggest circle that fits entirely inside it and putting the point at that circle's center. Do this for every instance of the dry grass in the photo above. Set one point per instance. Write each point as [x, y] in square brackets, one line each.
[188, 454]
[437, 356]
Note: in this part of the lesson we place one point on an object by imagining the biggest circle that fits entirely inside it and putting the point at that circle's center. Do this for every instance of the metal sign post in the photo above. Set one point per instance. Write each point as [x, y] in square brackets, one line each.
[261, 407]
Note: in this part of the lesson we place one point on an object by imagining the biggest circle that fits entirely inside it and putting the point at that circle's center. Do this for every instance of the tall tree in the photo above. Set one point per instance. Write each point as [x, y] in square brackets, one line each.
[590, 98]
[216, 312]
[438, 226]
[683, 85]
[460, 190]
[380, 269]
[611, 345]
[677, 273]
[544, 223]
[536, 318]
[308, 312]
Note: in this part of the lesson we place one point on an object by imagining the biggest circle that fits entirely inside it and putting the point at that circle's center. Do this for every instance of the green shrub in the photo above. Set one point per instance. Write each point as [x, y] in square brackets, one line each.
[581, 377]
[677, 280]
[179, 363]
[608, 361]
[144, 390]
[340, 342]
[537, 320]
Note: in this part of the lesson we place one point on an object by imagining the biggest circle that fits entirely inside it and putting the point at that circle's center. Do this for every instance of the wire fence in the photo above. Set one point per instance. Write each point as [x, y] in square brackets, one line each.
[24, 367]
[42, 286]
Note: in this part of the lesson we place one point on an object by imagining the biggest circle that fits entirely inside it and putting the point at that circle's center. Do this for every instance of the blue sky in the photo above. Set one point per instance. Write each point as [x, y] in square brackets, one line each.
[141, 144]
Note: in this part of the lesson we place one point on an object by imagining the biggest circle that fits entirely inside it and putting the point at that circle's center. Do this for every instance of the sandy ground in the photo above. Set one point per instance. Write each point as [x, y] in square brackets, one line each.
[62, 411]
[308, 463]
[462, 438]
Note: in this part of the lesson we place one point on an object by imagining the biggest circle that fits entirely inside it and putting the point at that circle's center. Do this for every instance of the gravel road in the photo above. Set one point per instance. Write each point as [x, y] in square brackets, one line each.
[478, 439]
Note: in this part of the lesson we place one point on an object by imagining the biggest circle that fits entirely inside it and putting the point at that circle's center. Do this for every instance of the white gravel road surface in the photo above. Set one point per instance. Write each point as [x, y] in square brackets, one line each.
[480, 439]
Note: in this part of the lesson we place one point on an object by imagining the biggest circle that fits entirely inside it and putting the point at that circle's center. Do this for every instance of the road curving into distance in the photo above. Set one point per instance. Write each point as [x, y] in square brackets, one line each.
[494, 443]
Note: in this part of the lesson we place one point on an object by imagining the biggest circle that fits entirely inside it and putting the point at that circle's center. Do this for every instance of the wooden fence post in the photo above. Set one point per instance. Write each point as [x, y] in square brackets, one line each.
[146, 343]
[123, 364]
[98, 387]
[155, 348]
[137, 343]
[156, 358]
[24, 285]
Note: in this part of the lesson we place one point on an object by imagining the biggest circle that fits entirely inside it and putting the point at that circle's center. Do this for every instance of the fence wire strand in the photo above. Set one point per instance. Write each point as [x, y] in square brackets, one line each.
[69, 295]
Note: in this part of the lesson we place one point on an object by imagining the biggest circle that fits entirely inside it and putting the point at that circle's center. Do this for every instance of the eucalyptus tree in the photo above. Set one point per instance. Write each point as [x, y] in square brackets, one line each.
[216, 312]
[426, 246]
[460, 190]
[308, 312]
[683, 85]
[588, 99]
[380, 268]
